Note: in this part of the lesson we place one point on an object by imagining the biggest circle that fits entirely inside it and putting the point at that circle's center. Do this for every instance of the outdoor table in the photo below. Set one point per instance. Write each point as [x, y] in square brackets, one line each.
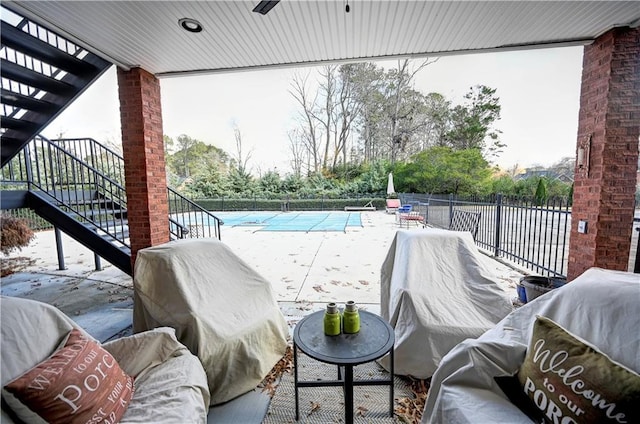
[374, 340]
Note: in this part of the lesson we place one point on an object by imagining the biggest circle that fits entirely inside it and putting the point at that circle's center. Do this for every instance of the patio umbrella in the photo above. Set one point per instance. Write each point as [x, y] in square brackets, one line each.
[390, 188]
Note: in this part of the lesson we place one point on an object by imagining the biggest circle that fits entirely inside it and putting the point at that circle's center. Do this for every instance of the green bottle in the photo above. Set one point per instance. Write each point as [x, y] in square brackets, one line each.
[332, 320]
[351, 318]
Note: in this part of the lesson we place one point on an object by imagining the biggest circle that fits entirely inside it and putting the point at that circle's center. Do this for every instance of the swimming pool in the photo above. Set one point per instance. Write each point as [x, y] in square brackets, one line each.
[292, 221]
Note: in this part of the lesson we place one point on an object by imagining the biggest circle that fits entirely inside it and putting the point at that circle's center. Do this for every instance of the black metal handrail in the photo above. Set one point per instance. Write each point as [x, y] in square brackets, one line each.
[71, 171]
[77, 187]
[187, 218]
[196, 220]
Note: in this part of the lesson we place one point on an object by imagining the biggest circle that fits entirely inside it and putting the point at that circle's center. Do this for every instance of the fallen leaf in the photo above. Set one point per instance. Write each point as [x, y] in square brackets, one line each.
[314, 407]
[409, 410]
[361, 411]
[363, 282]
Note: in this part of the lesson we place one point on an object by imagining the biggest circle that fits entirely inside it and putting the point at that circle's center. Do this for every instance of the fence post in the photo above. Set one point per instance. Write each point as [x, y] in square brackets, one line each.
[496, 243]
[27, 164]
[58, 235]
[450, 208]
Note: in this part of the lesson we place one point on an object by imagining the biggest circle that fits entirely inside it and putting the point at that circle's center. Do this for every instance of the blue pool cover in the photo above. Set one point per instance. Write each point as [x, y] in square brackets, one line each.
[292, 221]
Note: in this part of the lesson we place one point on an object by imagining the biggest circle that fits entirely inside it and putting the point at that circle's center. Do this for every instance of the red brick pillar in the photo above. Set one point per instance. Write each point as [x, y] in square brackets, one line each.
[608, 134]
[143, 151]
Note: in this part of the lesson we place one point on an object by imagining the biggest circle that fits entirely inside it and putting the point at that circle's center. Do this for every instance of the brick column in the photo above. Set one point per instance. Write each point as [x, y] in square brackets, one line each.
[143, 151]
[608, 132]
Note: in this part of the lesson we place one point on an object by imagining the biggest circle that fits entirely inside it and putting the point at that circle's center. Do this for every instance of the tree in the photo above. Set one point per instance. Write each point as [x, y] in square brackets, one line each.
[270, 182]
[503, 184]
[368, 82]
[443, 170]
[168, 145]
[403, 105]
[437, 120]
[240, 183]
[325, 114]
[196, 159]
[210, 184]
[472, 122]
[309, 137]
[346, 111]
[299, 155]
[541, 192]
[185, 143]
[241, 158]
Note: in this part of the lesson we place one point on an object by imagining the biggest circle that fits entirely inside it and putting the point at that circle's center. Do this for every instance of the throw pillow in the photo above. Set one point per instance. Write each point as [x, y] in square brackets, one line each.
[570, 381]
[79, 383]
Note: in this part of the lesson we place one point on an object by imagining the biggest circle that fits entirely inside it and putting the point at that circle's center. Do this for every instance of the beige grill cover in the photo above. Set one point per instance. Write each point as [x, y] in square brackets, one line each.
[436, 291]
[221, 309]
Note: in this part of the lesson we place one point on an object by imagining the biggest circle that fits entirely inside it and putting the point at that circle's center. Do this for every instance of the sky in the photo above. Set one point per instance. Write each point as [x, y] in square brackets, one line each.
[538, 89]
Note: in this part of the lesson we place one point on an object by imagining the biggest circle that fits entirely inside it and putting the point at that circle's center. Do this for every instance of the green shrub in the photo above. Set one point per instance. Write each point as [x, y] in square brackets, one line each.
[312, 204]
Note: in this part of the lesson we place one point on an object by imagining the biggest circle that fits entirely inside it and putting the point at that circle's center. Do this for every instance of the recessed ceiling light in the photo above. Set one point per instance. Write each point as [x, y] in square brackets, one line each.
[190, 25]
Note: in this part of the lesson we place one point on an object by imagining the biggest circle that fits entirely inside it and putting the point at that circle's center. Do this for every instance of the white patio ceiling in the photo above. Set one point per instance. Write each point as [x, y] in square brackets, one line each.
[147, 34]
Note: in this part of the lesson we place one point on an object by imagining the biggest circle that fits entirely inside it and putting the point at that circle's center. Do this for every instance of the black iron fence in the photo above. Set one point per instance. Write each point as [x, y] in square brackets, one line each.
[522, 230]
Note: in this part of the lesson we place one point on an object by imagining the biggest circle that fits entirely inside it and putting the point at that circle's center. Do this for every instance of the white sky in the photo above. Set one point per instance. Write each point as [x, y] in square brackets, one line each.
[538, 89]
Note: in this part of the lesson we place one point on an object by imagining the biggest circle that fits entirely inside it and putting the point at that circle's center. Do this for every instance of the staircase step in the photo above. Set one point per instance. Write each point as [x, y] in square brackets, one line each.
[116, 230]
[19, 124]
[31, 46]
[9, 145]
[25, 102]
[34, 79]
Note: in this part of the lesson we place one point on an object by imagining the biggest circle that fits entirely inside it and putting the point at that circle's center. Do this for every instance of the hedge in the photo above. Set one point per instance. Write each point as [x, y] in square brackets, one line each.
[222, 204]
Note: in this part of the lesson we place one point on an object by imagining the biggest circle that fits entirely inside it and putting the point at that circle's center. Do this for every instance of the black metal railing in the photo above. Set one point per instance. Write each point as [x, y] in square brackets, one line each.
[187, 219]
[77, 187]
[195, 221]
[532, 234]
[87, 178]
[100, 157]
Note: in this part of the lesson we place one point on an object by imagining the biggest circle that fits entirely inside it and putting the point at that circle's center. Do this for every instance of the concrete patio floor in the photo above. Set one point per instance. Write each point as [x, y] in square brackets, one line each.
[307, 270]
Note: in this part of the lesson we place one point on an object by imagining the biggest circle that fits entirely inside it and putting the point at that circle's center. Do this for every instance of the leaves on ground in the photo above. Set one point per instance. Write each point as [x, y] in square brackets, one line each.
[361, 411]
[363, 282]
[320, 289]
[9, 266]
[409, 410]
[284, 365]
[314, 407]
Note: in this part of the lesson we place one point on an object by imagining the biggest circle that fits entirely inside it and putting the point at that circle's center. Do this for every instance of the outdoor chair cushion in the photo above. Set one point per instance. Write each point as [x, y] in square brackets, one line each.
[436, 290]
[392, 205]
[221, 309]
[170, 384]
[600, 307]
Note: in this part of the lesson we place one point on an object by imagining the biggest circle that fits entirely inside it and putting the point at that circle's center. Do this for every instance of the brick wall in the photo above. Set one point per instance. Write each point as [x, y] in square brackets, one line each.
[143, 151]
[609, 128]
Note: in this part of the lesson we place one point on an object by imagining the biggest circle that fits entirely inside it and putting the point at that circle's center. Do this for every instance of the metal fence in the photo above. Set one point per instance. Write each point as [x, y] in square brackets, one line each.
[531, 234]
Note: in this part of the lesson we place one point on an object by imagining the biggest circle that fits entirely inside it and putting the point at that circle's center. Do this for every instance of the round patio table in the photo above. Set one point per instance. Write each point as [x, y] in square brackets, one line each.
[374, 340]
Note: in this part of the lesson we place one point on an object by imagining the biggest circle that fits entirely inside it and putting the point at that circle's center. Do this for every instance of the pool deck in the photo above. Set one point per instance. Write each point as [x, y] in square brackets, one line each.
[306, 269]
